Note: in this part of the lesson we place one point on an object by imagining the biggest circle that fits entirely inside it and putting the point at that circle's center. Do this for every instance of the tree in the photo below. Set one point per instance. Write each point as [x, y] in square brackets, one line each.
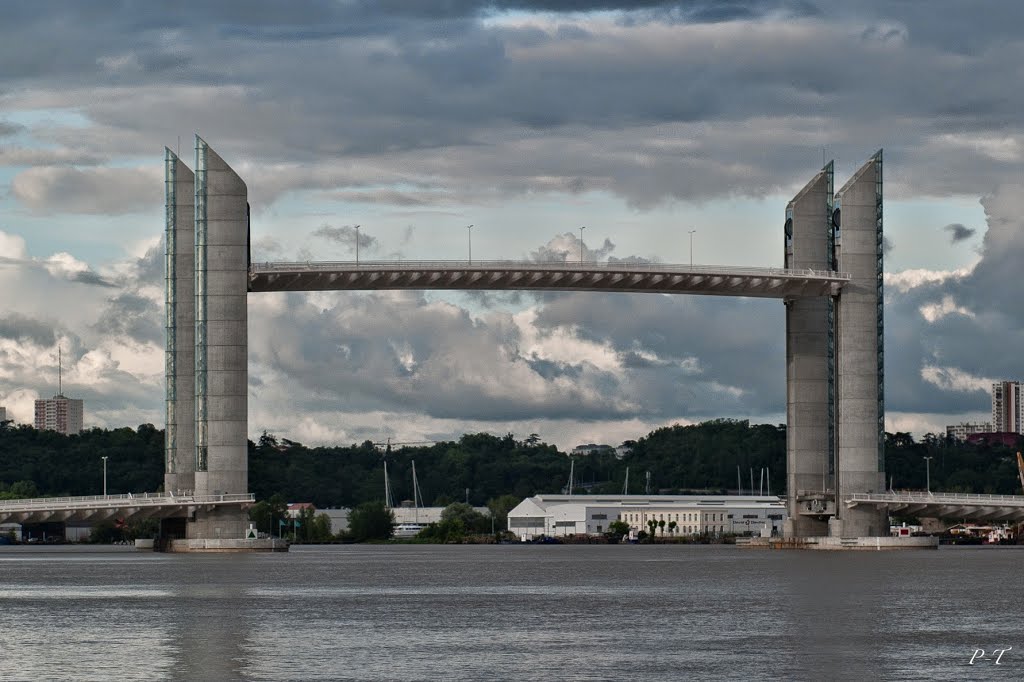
[672, 525]
[20, 490]
[618, 529]
[268, 514]
[500, 507]
[371, 521]
[653, 526]
[471, 519]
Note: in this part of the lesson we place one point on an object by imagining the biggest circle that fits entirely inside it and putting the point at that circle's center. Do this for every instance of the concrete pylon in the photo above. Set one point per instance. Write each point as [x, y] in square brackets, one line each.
[809, 376]
[221, 340]
[860, 416]
[179, 435]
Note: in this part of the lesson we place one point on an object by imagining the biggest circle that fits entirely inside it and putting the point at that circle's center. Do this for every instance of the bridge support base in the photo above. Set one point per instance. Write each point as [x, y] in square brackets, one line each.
[227, 546]
[829, 543]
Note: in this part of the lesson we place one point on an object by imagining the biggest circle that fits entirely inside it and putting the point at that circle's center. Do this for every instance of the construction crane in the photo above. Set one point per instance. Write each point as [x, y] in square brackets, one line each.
[1020, 470]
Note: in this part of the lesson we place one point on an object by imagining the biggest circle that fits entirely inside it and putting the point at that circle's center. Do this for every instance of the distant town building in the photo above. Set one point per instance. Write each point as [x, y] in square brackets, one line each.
[1007, 410]
[998, 438]
[60, 414]
[3, 414]
[961, 431]
[591, 449]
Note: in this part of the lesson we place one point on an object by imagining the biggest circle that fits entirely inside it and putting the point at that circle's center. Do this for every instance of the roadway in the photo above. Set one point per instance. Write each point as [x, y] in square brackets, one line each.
[127, 507]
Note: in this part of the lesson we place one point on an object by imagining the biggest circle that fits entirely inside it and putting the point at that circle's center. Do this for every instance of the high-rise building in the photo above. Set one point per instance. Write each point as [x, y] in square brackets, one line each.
[1007, 410]
[3, 414]
[964, 429]
[60, 414]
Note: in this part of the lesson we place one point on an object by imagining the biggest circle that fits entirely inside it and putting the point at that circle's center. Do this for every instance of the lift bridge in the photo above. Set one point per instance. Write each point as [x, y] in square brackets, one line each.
[831, 283]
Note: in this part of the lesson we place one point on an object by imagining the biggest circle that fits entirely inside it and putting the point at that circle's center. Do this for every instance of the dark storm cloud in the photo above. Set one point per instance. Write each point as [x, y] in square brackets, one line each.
[89, 277]
[25, 329]
[7, 128]
[958, 232]
[703, 355]
[981, 321]
[346, 235]
[443, 98]
[132, 316]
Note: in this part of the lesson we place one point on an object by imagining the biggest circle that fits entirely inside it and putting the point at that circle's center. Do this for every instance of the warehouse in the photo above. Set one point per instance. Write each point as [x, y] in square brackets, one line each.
[564, 515]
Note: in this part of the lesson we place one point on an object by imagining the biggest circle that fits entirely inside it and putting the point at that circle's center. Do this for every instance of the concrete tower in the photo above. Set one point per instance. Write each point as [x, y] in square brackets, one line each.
[179, 436]
[809, 351]
[860, 415]
[221, 339]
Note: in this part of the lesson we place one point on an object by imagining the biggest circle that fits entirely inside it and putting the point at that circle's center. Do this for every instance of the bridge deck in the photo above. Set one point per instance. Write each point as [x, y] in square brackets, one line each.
[585, 276]
[95, 508]
[945, 505]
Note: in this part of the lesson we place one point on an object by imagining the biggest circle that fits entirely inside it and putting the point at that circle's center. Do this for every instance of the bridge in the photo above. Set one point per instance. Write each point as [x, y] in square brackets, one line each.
[126, 507]
[533, 276]
[992, 508]
[831, 244]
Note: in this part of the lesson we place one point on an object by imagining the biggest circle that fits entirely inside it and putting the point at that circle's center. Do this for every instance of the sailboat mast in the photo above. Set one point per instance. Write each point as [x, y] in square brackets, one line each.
[387, 488]
[415, 493]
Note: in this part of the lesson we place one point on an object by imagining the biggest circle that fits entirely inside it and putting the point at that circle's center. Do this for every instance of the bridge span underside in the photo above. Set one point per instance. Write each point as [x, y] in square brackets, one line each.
[584, 276]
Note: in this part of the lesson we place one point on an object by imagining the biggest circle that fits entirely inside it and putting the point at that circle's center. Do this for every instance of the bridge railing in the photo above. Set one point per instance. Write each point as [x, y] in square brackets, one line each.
[122, 500]
[924, 497]
[314, 266]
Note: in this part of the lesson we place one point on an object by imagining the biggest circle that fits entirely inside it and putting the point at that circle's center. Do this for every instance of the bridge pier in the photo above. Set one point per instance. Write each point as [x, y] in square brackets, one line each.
[860, 417]
[809, 376]
[834, 359]
[207, 338]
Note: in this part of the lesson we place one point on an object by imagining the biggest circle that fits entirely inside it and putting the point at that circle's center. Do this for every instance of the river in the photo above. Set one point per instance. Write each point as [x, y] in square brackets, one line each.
[511, 612]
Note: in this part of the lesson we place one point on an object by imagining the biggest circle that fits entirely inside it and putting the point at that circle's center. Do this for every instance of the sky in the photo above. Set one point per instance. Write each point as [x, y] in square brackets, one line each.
[671, 131]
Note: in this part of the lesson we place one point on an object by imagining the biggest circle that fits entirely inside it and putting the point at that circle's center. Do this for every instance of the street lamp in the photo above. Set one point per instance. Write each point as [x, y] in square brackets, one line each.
[357, 244]
[691, 247]
[581, 243]
[469, 235]
[104, 458]
[928, 473]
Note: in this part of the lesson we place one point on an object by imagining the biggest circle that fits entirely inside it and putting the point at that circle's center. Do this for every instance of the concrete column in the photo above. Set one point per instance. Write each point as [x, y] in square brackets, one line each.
[221, 338]
[179, 434]
[860, 386]
[808, 433]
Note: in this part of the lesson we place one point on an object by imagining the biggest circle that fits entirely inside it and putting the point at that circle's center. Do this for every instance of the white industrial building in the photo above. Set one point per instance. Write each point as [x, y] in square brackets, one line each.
[563, 515]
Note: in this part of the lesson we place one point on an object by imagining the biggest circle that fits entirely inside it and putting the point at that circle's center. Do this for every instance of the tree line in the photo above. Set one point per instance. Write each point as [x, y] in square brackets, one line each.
[481, 467]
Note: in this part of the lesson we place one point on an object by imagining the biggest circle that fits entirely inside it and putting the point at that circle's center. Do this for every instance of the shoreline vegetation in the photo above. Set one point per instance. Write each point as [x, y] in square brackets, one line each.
[482, 469]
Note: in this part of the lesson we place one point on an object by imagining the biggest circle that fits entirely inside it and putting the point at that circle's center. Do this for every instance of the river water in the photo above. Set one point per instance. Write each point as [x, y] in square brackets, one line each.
[511, 612]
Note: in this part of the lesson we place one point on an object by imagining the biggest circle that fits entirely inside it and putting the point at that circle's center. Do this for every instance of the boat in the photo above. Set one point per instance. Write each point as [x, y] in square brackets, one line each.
[408, 530]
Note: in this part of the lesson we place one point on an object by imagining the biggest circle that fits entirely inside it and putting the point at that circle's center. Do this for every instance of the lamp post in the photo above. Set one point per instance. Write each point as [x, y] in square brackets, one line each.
[581, 243]
[928, 473]
[104, 458]
[469, 236]
[691, 247]
[357, 244]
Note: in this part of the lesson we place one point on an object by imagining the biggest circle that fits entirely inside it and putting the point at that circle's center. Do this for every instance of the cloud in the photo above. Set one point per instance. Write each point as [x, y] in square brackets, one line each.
[346, 235]
[7, 128]
[66, 266]
[20, 328]
[106, 191]
[958, 232]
